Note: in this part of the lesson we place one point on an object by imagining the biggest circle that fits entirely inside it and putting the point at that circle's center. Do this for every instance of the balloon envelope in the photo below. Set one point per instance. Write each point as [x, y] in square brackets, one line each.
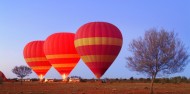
[35, 58]
[98, 44]
[61, 53]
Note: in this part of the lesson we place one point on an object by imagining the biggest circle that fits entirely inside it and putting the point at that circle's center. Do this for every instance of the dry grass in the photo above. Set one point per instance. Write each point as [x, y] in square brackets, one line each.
[91, 88]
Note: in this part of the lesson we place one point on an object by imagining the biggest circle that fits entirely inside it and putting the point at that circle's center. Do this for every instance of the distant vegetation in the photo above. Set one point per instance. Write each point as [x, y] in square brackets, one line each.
[174, 80]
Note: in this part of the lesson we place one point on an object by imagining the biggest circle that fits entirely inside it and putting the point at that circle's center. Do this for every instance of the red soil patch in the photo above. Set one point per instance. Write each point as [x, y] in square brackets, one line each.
[91, 88]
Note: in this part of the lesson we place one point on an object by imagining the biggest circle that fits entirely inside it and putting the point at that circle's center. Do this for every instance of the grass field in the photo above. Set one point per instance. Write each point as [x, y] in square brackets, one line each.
[91, 88]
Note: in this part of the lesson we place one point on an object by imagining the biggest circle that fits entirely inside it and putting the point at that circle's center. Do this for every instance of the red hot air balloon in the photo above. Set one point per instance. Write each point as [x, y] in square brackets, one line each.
[98, 44]
[35, 58]
[61, 53]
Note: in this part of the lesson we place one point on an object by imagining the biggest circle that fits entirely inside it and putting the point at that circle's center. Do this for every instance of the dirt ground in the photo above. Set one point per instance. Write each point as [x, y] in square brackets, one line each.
[91, 88]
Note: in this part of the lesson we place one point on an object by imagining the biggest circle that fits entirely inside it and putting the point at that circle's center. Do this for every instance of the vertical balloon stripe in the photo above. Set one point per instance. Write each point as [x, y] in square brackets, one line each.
[60, 43]
[97, 29]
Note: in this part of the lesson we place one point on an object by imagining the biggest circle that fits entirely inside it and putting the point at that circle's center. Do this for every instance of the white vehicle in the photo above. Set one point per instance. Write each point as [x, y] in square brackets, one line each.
[74, 79]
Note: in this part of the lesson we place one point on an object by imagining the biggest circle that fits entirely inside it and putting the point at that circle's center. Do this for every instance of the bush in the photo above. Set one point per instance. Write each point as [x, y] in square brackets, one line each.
[141, 79]
[148, 79]
[184, 79]
[83, 80]
[157, 81]
[176, 79]
[35, 79]
[131, 78]
[165, 80]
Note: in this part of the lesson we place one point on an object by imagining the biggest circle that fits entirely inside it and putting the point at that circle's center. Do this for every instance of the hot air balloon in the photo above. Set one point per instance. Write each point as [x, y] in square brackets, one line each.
[98, 44]
[35, 58]
[60, 51]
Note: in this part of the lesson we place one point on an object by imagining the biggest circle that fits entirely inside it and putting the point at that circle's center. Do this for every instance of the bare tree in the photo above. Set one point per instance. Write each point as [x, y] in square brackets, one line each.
[159, 52]
[21, 71]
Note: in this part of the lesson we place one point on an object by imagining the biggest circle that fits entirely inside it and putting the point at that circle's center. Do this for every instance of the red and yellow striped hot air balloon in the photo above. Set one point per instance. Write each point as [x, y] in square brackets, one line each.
[61, 53]
[35, 58]
[98, 44]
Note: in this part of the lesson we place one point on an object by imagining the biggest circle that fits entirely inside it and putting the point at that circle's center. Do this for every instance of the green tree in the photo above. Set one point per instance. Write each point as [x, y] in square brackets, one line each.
[159, 52]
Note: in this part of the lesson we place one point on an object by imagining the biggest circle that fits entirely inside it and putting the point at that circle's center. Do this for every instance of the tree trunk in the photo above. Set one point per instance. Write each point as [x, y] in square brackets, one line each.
[21, 81]
[152, 84]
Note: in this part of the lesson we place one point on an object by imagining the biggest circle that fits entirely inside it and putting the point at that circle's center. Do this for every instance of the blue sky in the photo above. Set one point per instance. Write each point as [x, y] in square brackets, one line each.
[22, 21]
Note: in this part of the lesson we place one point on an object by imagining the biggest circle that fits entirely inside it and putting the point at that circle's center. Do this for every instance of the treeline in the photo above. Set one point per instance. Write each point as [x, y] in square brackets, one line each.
[176, 79]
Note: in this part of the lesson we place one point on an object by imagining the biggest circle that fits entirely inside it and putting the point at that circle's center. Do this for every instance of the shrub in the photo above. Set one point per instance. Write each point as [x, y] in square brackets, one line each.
[176, 79]
[165, 80]
[157, 81]
[131, 78]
